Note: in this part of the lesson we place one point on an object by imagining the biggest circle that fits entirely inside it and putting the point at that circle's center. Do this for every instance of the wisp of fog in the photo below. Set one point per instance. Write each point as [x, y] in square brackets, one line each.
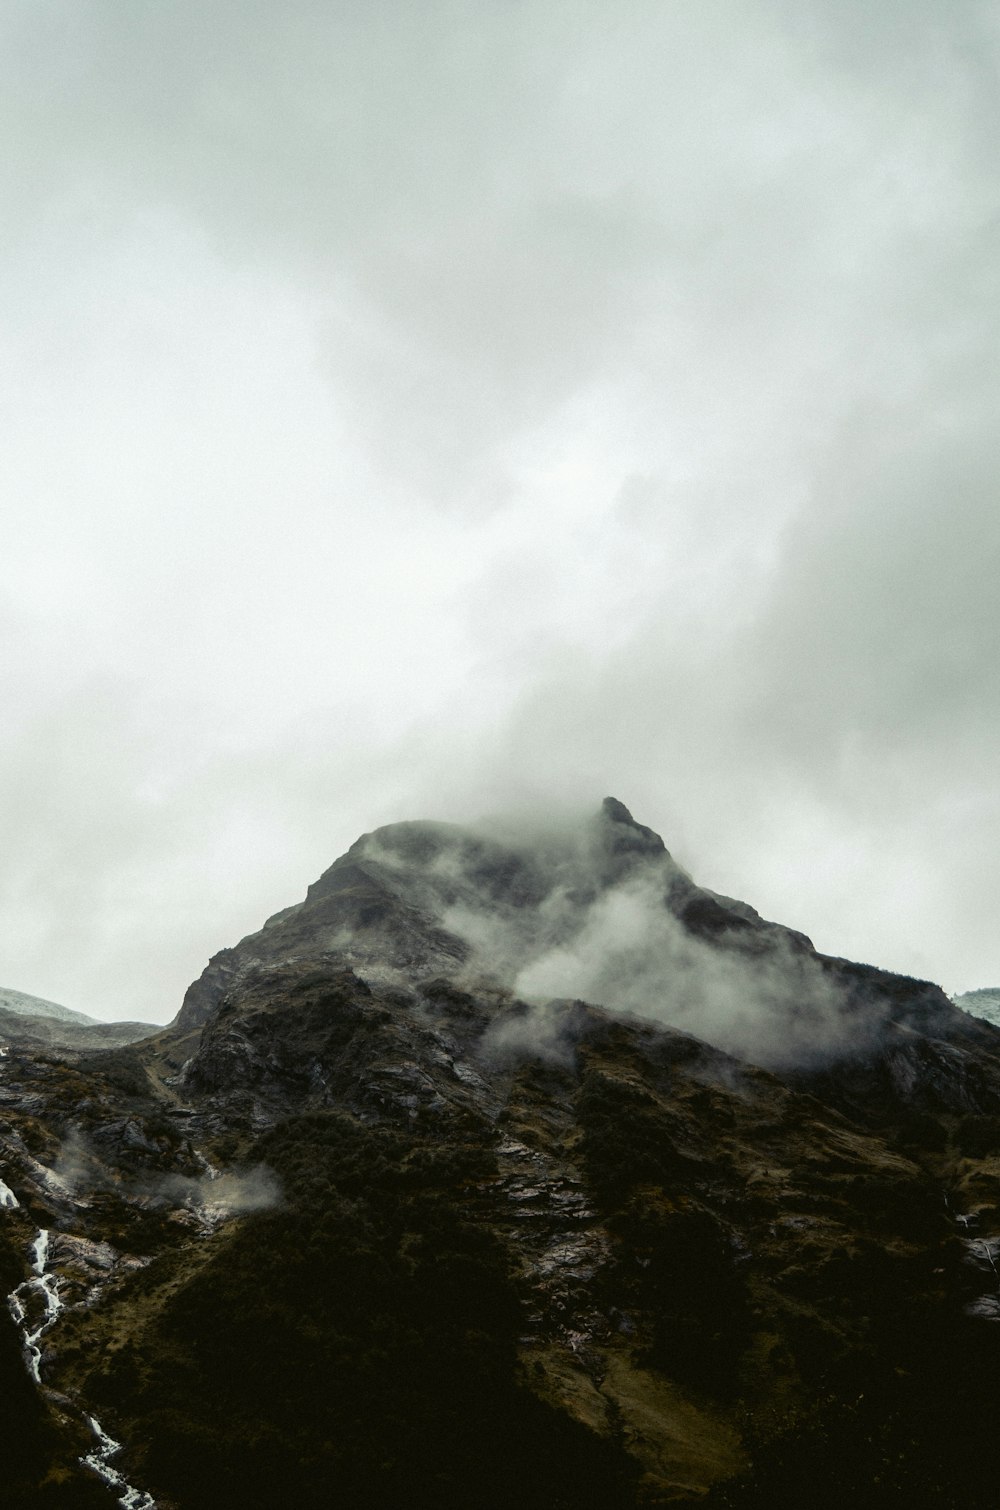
[600, 912]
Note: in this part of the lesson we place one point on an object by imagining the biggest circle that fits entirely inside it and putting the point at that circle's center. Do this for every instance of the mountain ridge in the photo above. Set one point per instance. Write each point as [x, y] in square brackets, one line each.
[29, 1021]
[37, 1006]
[602, 912]
[984, 1003]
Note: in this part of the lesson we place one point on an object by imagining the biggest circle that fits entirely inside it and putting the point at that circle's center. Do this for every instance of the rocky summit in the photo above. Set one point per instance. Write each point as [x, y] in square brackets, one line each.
[509, 1167]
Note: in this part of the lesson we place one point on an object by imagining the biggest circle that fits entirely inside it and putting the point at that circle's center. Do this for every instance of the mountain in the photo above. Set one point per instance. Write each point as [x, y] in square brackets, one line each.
[36, 1006]
[984, 1003]
[510, 1167]
[32, 1020]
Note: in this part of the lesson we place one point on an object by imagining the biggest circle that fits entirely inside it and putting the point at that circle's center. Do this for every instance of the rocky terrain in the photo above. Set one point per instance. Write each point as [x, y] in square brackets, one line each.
[509, 1168]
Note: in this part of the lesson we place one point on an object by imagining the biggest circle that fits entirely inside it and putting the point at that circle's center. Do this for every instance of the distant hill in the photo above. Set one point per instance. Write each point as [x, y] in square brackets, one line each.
[37, 1006]
[31, 1020]
[984, 1003]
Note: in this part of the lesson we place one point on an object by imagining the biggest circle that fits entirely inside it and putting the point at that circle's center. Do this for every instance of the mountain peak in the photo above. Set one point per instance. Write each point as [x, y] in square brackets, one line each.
[617, 811]
[597, 912]
[626, 834]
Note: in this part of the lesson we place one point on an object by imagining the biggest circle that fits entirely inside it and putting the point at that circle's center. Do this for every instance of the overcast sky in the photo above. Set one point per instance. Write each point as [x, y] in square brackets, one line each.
[410, 410]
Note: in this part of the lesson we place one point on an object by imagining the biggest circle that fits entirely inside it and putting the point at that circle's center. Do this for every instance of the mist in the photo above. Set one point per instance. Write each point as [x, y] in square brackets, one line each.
[229, 1193]
[80, 1169]
[777, 1008]
[595, 910]
[426, 411]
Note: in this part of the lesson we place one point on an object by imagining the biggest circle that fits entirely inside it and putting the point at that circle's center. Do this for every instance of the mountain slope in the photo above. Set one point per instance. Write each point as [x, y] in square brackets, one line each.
[984, 1003]
[36, 1006]
[32, 1020]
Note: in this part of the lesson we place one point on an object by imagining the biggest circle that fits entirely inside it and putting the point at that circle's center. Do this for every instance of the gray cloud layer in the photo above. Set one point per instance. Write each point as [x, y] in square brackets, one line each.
[423, 409]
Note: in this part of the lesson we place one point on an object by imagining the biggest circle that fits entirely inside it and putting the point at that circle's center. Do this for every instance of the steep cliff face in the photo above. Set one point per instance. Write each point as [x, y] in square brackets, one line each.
[519, 1170]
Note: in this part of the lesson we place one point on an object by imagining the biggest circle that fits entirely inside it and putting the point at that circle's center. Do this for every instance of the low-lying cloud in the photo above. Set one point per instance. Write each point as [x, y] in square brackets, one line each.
[583, 916]
[234, 1192]
[81, 1170]
[629, 953]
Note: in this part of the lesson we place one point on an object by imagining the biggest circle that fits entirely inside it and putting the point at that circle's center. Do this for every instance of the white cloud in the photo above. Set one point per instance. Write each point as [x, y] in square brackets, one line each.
[421, 409]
